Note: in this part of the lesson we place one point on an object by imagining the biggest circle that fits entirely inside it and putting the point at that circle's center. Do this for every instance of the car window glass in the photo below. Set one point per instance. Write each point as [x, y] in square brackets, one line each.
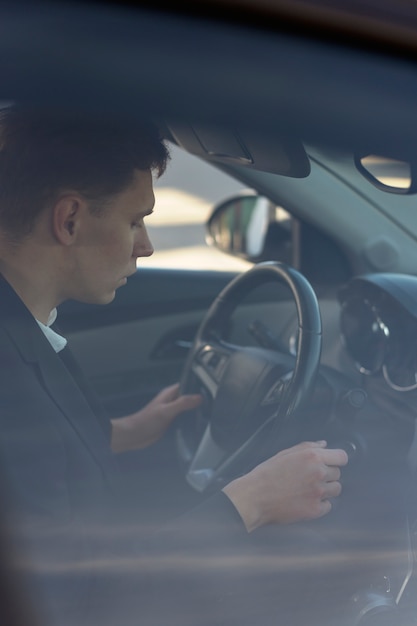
[185, 196]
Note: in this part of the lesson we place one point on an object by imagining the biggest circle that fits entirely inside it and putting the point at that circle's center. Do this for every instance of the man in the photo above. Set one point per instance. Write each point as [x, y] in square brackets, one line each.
[74, 196]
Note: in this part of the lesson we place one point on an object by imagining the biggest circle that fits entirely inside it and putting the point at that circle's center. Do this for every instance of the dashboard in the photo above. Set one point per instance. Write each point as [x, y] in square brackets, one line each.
[379, 327]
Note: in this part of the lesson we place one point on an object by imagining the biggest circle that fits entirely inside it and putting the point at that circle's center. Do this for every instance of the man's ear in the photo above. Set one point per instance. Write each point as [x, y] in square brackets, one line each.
[66, 216]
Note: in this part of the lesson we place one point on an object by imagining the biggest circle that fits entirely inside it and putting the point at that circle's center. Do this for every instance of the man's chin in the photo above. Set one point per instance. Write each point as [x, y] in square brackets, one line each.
[98, 299]
[108, 298]
[110, 295]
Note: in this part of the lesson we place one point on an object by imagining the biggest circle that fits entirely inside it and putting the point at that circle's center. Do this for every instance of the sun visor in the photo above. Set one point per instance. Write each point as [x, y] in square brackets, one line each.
[268, 152]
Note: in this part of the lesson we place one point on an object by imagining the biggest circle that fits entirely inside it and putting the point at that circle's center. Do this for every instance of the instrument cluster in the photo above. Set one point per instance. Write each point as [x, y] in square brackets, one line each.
[379, 327]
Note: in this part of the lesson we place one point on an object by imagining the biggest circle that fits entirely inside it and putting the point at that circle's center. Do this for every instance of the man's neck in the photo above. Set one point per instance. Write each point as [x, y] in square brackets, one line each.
[32, 283]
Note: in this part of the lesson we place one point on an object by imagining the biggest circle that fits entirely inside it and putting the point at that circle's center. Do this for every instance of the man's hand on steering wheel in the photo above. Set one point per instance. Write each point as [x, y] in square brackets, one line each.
[144, 427]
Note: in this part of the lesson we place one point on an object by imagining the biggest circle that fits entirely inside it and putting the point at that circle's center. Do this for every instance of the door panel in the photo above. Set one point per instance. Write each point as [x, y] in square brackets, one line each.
[138, 344]
[128, 363]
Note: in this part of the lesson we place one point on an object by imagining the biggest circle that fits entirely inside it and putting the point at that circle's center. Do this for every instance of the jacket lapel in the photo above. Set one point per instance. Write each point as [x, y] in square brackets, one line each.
[68, 397]
[53, 375]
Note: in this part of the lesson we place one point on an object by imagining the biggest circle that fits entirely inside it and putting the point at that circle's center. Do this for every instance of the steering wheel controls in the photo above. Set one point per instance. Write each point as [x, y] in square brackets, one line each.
[214, 362]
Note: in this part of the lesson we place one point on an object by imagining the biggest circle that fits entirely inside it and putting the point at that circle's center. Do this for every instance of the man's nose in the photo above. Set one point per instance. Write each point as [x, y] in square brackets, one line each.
[148, 251]
[143, 246]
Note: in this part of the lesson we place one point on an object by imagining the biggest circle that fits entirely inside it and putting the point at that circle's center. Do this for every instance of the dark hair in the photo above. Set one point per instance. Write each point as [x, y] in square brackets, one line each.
[43, 153]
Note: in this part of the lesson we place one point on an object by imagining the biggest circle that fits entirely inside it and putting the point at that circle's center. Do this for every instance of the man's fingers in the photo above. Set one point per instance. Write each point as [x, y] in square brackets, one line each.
[169, 393]
[329, 456]
[185, 403]
[303, 445]
[333, 490]
[332, 473]
[334, 457]
[324, 508]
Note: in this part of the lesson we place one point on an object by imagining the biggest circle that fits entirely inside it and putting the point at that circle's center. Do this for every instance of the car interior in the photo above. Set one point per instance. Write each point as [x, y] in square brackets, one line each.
[317, 340]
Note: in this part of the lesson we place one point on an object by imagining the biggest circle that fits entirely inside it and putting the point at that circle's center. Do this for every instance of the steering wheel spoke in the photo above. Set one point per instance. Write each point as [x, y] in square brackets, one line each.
[207, 458]
[278, 391]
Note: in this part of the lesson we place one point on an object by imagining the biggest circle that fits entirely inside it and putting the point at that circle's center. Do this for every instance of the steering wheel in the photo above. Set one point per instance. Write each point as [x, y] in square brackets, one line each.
[249, 393]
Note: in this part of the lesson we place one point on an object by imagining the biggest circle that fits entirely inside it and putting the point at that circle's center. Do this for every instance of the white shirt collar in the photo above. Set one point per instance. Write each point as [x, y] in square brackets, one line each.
[57, 341]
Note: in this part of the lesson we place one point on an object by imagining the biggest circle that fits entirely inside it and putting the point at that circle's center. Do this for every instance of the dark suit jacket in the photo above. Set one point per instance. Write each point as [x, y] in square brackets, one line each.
[84, 559]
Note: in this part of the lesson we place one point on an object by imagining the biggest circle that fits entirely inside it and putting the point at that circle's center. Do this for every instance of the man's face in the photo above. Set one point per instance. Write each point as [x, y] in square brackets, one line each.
[109, 244]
